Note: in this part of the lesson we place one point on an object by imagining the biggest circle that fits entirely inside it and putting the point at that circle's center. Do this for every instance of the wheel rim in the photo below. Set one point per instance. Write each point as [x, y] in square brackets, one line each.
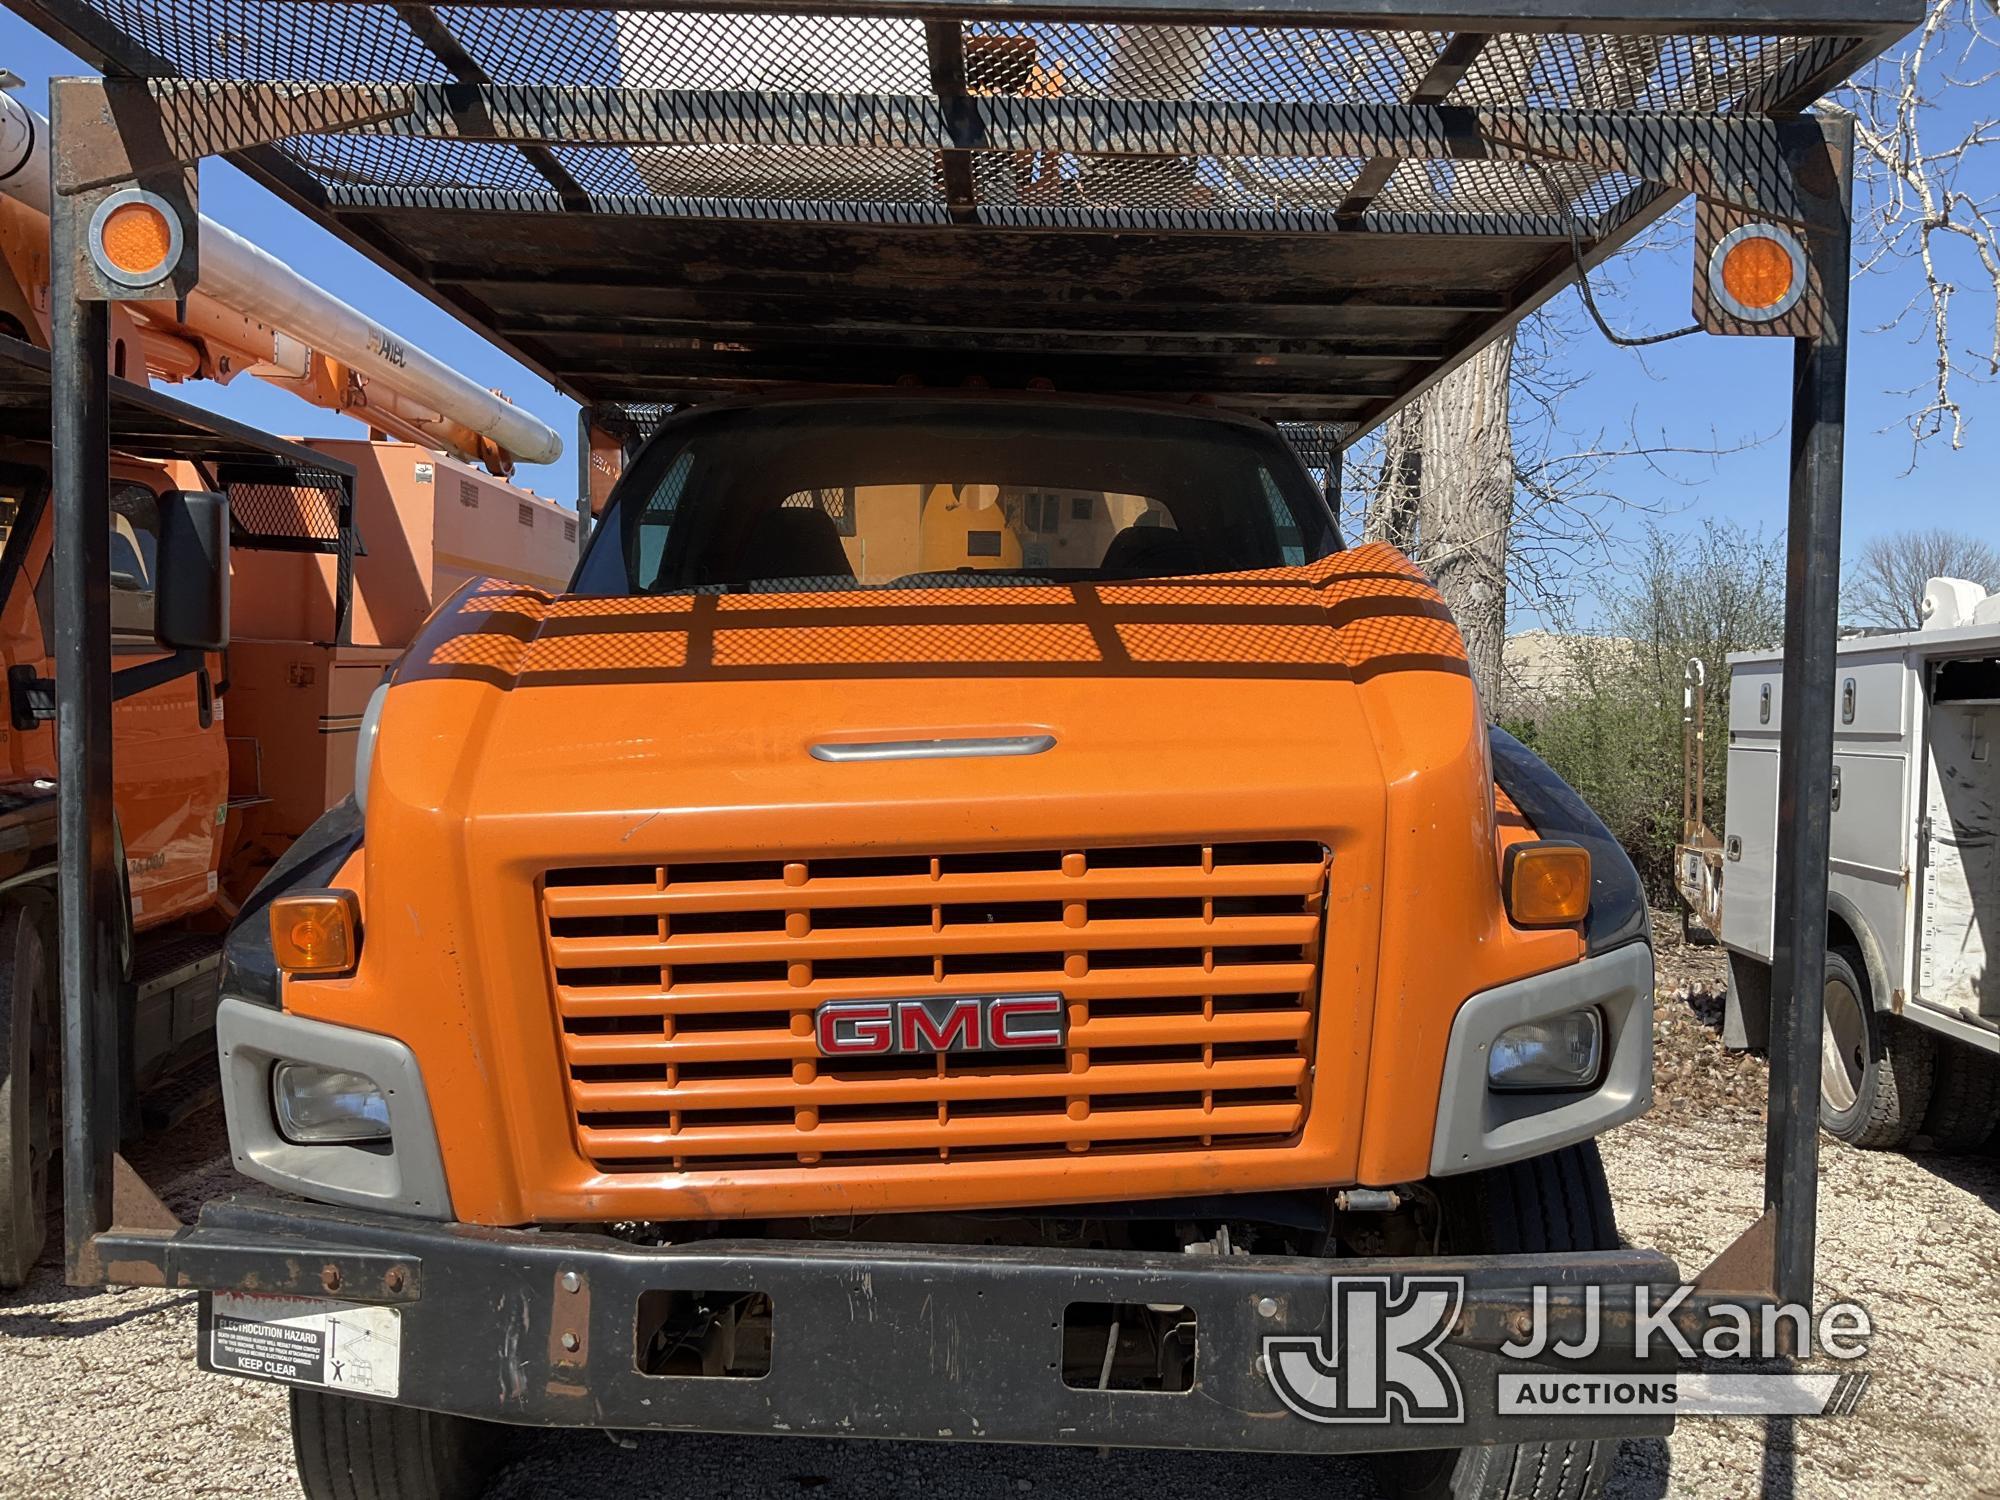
[1843, 1053]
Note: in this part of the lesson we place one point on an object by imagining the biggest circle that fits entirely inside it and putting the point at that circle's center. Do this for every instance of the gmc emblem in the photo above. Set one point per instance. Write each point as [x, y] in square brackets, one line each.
[961, 1023]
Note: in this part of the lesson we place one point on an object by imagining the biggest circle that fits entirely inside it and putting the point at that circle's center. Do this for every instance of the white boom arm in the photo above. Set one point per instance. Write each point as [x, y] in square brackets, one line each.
[257, 285]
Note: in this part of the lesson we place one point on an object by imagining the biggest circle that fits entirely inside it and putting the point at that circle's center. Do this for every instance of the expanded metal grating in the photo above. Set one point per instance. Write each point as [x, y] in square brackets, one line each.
[1289, 207]
[332, 41]
[328, 41]
[891, 183]
[300, 511]
[426, 173]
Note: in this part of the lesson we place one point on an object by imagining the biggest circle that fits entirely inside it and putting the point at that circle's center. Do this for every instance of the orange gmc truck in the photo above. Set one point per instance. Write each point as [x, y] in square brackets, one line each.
[964, 907]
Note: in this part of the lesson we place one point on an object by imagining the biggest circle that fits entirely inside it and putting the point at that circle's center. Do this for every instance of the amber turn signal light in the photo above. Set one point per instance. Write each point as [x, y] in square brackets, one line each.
[1758, 272]
[135, 238]
[1547, 885]
[316, 932]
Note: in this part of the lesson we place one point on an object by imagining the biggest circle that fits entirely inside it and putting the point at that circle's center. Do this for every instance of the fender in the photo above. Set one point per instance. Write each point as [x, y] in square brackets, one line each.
[1618, 912]
[249, 969]
[1882, 991]
[1746, 1017]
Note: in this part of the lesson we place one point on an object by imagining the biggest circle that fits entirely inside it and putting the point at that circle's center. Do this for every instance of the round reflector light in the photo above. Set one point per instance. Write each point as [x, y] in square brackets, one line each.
[1758, 272]
[135, 238]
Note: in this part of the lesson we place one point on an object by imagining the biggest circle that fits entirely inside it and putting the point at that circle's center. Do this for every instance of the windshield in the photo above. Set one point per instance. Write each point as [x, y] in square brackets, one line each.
[865, 494]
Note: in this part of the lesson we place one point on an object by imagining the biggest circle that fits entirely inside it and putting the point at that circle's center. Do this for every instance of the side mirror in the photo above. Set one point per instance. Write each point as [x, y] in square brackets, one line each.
[191, 572]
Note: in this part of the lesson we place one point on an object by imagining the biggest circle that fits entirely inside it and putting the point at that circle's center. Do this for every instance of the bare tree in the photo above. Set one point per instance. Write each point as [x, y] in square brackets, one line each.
[1886, 584]
[1608, 717]
[1448, 487]
[1917, 197]
[1466, 504]
[1392, 505]
[1519, 501]
[1486, 486]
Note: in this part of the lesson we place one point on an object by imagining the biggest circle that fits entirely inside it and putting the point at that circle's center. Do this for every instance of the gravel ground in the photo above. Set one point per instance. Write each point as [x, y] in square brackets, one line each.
[101, 1397]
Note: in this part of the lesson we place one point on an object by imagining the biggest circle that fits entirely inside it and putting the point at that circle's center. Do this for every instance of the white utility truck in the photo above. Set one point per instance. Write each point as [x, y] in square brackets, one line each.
[1911, 1045]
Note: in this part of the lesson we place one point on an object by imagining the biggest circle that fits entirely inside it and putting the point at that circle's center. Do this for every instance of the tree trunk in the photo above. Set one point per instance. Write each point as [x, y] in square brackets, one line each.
[1466, 506]
[1392, 513]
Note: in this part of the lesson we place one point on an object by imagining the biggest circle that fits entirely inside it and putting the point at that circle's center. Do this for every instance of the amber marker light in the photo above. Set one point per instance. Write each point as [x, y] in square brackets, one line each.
[135, 238]
[1547, 885]
[1758, 272]
[316, 932]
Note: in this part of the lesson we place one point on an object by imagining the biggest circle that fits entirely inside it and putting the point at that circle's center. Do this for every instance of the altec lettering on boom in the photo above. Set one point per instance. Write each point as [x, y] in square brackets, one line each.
[960, 1023]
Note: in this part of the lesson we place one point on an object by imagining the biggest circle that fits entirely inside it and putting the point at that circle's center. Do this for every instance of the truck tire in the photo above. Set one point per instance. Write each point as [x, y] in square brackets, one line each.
[1965, 1098]
[1875, 1068]
[29, 1129]
[350, 1449]
[1551, 1203]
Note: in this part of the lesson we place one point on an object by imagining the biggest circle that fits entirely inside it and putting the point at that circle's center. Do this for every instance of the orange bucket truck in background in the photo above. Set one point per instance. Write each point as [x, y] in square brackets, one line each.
[339, 548]
[425, 523]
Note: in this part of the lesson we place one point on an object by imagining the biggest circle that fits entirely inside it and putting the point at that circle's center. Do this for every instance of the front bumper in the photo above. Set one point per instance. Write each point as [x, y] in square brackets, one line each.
[888, 1341]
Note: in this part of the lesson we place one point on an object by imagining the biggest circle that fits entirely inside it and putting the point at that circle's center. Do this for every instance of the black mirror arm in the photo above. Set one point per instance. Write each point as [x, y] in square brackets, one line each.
[147, 675]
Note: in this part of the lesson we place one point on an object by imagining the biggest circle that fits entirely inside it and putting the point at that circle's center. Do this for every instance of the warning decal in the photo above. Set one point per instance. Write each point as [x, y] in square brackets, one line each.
[307, 1341]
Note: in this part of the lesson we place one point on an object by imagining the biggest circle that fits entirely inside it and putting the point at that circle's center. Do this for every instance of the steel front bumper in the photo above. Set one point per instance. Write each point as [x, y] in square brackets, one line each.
[866, 1340]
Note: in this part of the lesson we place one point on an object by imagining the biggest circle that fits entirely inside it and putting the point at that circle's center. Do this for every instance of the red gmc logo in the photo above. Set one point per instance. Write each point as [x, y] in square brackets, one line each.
[962, 1023]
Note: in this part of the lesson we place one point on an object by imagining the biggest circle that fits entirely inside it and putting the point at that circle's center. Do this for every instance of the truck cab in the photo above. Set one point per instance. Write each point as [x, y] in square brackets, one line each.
[173, 782]
[220, 757]
[171, 789]
[937, 819]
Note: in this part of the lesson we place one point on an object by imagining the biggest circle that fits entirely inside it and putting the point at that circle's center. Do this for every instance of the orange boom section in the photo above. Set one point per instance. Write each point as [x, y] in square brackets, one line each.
[608, 888]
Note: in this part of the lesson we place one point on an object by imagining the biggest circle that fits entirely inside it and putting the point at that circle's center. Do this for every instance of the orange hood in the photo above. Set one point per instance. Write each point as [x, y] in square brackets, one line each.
[1243, 691]
[524, 733]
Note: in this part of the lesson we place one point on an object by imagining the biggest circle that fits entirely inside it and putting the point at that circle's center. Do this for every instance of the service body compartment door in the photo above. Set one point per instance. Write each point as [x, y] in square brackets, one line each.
[1750, 843]
[1750, 832]
[1961, 886]
[1872, 846]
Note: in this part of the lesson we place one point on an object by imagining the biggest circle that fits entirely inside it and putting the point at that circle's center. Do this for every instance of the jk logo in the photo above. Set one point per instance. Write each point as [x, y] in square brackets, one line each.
[1380, 1359]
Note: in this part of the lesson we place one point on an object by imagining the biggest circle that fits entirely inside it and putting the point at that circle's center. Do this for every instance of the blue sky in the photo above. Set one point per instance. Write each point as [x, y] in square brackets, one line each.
[1679, 394]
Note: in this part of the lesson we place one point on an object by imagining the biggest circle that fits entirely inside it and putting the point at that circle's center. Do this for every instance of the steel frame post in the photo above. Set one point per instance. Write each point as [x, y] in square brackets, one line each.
[1805, 741]
[87, 943]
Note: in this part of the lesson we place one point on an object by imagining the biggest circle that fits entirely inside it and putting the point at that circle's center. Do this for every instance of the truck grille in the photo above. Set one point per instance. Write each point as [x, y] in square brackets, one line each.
[686, 998]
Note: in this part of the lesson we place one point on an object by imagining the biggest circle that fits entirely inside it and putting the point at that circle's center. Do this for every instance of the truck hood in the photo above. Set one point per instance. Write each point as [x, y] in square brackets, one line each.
[1230, 706]
[608, 889]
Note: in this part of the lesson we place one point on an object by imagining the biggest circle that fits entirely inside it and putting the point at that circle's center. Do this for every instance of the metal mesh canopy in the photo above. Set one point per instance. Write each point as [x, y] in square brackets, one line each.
[654, 205]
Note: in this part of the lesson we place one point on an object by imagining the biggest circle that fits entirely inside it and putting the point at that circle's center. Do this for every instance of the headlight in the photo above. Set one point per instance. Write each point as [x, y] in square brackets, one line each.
[321, 1106]
[1561, 1052]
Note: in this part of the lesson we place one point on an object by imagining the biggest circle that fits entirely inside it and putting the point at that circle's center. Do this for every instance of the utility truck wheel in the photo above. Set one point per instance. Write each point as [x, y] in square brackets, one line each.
[1553, 1203]
[28, 1093]
[350, 1449]
[1875, 1069]
[1965, 1098]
